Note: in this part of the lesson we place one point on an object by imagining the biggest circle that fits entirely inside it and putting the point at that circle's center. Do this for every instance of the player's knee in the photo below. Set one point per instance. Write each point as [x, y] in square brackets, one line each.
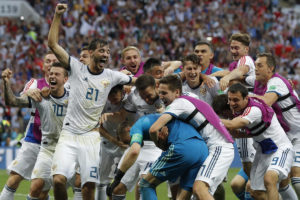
[59, 181]
[89, 186]
[270, 179]
[237, 185]
[36, 187]
[120, 189]
[295, 172]
[200, 187]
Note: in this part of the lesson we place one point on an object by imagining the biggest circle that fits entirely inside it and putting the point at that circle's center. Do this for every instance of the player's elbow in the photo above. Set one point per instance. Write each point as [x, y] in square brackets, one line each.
[152, 130]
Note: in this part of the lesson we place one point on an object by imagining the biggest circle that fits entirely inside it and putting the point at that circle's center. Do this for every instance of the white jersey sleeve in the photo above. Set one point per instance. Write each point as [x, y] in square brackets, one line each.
[32, 84]
[247, 60]
[252, 114]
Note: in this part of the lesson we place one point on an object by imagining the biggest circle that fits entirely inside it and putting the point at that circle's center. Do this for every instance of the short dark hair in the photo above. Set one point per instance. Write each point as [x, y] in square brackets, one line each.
[271, 61]
[116, 89]
[238, 88]
[49, 52]
[58, 64]
[144, 81]
[97, 42]
[243, 38]
[150, 63]
[192, 58]
[84, 48]
[220, 104]
[173, 82]
[205, 42]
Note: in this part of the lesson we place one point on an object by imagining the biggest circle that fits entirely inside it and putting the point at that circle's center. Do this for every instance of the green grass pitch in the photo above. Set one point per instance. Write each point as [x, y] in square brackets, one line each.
[161, 191]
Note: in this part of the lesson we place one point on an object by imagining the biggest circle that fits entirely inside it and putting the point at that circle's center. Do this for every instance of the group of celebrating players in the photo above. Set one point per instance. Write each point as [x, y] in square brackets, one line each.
[92, 127]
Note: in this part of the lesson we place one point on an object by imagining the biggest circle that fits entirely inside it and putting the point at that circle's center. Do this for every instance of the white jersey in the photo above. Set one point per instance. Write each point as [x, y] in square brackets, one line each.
[247, 60]
[182, 109]
[88, 96]
[135, 104]
[52, 113]
[203, 93]
[274, 132]
[292, 116]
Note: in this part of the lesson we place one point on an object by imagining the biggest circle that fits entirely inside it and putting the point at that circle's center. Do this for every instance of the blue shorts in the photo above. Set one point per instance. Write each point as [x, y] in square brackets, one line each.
[243, 174]
[183, 160]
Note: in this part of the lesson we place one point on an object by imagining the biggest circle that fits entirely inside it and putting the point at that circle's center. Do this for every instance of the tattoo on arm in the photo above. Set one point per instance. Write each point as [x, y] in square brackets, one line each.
[11, 99]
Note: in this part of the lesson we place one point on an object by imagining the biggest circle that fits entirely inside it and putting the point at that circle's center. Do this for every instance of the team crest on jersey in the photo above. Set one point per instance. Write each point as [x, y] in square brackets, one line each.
[203, 90]
[105, 83]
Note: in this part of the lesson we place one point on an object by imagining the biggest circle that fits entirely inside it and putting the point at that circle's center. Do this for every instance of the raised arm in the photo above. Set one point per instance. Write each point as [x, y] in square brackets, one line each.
[10, 98]
[59, 52]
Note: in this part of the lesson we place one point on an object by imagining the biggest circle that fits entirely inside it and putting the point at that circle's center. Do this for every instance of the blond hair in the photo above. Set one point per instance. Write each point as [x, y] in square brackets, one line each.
[129, 48]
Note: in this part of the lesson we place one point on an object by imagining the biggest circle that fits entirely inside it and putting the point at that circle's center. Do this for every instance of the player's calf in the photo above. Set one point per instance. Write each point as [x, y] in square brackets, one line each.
[59, 188]
[36, 187]
[200, 189]
[270, 181]
[88, 191]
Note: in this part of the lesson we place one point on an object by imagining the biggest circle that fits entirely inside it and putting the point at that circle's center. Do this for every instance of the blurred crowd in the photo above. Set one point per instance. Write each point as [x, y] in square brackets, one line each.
[163, 29]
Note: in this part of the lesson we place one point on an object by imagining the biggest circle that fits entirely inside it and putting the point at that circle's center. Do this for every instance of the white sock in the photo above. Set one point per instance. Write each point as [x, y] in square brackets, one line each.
[288, 193]
[296, 184]
[118, 197]
[101, 192]
[31, 198]
[77, 194]
[7, 193]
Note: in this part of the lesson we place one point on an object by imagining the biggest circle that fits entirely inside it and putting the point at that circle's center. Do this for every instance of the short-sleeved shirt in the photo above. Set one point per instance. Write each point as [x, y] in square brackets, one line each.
[135, 104]
[203, 92]
[181, 108]
[274, 132]
[178, 130]
[247, 60]
[88, 95]
[292, 116]
[52, 113]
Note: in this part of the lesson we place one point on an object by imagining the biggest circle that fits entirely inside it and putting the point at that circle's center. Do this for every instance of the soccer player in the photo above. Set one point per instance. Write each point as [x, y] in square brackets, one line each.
[132, 61]
[277, 92]
[85, 55]
[205, 52]
[274, 152]
[244, 64]
[111, 148]
[21, 168]
[154, 68]
[204, 119]
[52, 111]
[193, 82]
[79, 141]
[184, 153]
[141, 101]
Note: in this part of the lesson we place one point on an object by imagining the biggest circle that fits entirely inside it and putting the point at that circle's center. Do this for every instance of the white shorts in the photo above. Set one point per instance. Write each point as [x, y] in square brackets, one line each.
[295, 140]
[42, 167]
[148, 155]
[82, 150]
[109, 160]
[215, 167]
[25, 160]
[280, 161]
[246, 149]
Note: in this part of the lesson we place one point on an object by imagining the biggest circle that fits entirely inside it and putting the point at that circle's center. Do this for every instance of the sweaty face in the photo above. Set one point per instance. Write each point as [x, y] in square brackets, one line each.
[85, 57]
[237, 102]
[132, 60]
[204, 53]
[192, 73]
[156, 72]
[48, 61]
[149, 95]
[261, 69]
[166, 95]
[238, 50]
[101, 56]
[115, 98]
[57, 78]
